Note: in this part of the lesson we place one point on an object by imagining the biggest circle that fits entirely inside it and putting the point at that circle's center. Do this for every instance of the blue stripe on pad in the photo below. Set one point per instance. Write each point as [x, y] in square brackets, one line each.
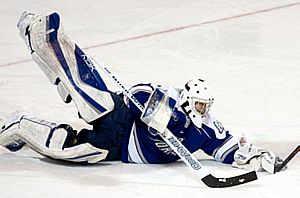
[53, 23]
[87, 71]
[87, 155]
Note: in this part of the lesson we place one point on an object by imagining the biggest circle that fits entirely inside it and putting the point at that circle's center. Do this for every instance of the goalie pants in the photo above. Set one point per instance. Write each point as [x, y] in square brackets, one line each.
[109, 131]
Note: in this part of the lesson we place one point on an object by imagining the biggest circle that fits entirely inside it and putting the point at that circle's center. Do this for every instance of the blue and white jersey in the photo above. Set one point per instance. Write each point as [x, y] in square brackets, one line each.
[143, 145]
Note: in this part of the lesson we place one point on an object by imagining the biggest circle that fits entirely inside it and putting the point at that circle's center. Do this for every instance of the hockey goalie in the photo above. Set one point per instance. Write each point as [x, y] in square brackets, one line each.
[120, 131]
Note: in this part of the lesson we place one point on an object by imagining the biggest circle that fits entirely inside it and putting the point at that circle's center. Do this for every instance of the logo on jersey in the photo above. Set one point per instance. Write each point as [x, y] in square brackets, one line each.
[219, 126]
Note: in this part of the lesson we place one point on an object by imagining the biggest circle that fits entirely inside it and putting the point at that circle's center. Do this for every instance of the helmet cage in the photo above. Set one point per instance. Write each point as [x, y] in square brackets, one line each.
[206, 104]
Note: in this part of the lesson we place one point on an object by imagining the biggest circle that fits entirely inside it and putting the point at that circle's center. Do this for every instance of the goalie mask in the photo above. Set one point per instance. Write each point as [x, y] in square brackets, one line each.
[196, 100]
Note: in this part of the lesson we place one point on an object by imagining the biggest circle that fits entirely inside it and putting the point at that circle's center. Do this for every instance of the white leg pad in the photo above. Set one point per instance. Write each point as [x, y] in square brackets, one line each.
[66, 65]
[48, 139]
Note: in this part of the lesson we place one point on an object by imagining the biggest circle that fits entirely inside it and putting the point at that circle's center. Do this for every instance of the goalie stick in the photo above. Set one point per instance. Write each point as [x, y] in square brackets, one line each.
[279, 167]
[183, 153]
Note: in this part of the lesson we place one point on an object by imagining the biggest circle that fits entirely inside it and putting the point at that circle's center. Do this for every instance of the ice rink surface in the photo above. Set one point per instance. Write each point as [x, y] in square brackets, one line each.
[248, 50]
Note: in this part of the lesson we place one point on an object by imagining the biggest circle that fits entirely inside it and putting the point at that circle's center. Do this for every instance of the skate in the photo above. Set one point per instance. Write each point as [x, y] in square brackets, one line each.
[8, 132]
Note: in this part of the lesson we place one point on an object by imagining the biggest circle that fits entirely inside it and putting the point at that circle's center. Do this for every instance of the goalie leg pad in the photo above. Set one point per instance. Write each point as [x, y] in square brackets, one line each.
[49, 139]
[66, 65]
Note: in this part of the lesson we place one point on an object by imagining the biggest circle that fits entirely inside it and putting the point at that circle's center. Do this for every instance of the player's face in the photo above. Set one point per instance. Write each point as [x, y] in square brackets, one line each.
[200, 107]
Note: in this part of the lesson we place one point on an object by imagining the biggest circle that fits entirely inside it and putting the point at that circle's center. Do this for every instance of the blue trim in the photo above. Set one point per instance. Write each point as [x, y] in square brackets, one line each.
[50, 137]
[53, 23]
[172, 103]
[87, 155]
[87, 70]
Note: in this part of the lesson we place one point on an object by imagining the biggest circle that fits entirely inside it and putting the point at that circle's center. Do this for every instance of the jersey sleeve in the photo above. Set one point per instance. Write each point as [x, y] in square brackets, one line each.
[220, 144]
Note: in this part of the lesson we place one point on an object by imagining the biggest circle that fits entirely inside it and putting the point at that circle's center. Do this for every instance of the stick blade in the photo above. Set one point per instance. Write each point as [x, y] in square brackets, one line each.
[214, 182]
[279, 167]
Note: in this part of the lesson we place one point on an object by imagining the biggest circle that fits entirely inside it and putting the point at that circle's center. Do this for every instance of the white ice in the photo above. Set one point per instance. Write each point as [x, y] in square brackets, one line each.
[248, 50]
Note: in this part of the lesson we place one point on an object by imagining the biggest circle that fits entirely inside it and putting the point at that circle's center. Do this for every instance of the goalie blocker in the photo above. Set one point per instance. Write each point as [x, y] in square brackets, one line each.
[158, 110]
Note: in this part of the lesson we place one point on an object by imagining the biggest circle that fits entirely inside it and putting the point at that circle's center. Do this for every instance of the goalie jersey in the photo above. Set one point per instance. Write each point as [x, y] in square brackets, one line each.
[144, 145]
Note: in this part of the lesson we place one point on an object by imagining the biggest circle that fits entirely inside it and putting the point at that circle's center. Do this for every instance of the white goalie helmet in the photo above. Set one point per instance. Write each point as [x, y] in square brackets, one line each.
[196, 100]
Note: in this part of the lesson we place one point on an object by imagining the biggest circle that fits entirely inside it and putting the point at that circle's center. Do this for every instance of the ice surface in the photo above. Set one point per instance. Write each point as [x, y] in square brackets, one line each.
[248, 50]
